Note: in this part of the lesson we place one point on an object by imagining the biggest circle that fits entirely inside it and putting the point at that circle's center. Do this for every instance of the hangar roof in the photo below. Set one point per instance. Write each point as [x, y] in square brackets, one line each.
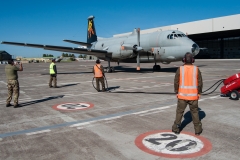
[225, 26]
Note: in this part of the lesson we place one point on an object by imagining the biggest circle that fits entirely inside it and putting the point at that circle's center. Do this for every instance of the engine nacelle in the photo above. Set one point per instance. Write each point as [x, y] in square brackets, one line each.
[120, 52]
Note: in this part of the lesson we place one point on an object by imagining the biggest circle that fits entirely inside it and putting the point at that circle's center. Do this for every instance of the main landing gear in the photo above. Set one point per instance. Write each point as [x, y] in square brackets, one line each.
[109, 69]
[156, 67]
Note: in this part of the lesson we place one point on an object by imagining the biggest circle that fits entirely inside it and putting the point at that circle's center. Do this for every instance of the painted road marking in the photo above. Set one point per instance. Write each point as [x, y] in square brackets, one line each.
[72, 106]
[167, 144]
[145, 114]
[38, 132]
[91, 120]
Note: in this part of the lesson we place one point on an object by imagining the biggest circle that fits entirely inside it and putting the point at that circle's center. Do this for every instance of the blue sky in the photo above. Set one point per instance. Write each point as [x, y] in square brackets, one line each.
[51, 21]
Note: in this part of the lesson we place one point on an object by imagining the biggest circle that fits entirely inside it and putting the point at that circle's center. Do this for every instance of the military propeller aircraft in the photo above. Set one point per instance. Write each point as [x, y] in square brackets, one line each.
[160, 46]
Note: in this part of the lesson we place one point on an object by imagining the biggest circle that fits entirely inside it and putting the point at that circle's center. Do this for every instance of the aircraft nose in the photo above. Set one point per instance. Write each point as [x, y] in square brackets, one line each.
[195, 49]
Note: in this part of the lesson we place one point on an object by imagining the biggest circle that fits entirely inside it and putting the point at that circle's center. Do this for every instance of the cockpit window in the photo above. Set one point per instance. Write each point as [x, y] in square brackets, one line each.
[174, 36]
[179, 35]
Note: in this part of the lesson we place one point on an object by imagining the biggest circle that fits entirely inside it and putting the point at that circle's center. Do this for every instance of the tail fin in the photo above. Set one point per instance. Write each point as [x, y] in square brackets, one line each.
[91, 32]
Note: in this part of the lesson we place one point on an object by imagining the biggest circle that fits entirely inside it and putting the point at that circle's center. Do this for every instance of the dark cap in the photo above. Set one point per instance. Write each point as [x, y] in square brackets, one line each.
[53, 60]
[97, 61]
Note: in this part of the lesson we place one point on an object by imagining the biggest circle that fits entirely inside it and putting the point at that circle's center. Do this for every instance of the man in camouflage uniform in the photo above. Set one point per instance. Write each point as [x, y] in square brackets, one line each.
[12, 82]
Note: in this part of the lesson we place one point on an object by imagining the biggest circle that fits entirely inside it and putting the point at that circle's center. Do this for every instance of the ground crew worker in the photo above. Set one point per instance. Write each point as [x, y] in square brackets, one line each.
[53, 74]
[12, 82]
[188, 86]
[98, 72]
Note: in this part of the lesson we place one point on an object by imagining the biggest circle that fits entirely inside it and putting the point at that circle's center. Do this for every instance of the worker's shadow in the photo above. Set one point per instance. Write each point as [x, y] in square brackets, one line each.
[188, 118]
[39, 101]
[112, 88]
[68, 85]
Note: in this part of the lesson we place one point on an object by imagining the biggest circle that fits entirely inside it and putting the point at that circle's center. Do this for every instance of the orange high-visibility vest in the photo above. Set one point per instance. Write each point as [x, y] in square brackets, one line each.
[188, 86]
[97, 71]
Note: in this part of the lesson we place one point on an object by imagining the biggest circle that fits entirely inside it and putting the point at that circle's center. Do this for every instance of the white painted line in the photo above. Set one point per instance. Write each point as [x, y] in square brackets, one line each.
[89, 92]
[151, 113]
[146, 87]
[3, 82]
[161, 108]
[38, 132]
[106, 119]
[80, 124]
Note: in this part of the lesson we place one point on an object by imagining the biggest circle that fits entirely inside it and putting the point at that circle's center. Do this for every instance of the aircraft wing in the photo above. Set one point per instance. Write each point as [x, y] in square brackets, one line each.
[79, 43]
[98, 53]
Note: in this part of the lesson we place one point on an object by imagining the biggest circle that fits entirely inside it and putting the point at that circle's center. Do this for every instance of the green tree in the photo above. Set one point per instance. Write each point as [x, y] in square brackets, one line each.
[44, 55]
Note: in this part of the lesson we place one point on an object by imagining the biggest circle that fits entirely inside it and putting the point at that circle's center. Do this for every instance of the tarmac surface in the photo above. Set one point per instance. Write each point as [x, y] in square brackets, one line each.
[131, 121]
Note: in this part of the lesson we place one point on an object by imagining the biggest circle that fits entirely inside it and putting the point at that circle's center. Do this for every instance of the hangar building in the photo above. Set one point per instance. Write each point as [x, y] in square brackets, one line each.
[4, 56]
[221, 36]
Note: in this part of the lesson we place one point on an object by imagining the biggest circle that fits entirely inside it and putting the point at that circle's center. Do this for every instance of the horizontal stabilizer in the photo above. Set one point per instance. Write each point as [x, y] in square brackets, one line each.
[79, 43]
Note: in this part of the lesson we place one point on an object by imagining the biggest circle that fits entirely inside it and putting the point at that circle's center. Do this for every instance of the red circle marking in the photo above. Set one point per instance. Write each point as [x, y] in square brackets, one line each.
[56, 106]
[206, 148]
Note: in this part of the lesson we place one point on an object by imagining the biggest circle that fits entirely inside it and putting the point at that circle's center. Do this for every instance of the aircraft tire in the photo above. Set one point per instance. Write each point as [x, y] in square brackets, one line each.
[112, 68]
[156, 68]
[109, 70]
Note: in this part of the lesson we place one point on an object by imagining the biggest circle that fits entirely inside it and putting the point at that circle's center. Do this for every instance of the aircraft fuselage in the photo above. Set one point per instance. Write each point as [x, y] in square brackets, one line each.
[169, 48]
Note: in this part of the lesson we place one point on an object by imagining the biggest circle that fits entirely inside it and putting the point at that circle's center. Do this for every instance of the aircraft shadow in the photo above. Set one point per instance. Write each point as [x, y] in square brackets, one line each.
[39, 101]
[68, 73]
[68, 85]
[146, 92]
[188, 118]
[201, 65]
[143, 70]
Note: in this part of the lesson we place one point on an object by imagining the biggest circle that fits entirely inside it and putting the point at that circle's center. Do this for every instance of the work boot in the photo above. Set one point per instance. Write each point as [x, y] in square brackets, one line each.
[16, 105]
[50, 86]
[198, 134]
[8, 104]
[176, 128]
[56, 87]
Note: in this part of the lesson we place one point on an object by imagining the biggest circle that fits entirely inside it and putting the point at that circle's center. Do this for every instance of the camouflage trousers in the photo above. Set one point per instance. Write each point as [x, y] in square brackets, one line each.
[13, 89]
[53, 78]
[101, 80]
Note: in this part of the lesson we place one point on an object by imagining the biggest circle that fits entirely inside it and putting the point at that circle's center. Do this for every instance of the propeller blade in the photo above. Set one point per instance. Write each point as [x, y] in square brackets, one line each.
[138, 39]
